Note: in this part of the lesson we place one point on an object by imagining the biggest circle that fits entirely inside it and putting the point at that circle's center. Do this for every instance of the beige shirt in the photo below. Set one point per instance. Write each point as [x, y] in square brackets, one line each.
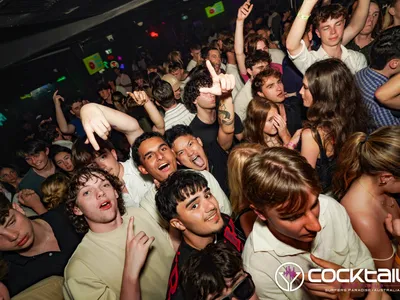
[337, 242]
[242, 100]
[95, 269]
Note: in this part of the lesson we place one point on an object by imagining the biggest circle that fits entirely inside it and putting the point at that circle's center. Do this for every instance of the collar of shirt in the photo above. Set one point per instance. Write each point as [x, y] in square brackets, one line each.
[378, 77]
[322, 54]
[264, 240]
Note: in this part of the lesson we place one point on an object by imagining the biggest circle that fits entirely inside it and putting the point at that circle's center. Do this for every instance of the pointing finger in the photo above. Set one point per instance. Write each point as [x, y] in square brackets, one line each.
[214, 74]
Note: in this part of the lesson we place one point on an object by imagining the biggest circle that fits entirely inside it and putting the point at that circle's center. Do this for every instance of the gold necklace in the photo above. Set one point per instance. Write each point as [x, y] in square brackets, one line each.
[373, 197]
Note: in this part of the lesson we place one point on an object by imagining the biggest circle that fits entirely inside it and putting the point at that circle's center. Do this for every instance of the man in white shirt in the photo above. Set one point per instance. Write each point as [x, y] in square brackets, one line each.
[329, 23]
[123, 80]
[196, 57]
[295, 221]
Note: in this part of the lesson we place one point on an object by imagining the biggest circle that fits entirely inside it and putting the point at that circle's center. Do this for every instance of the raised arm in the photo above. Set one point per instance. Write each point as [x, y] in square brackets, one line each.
[61, 121]
[389, 93]
[243, 13]
[223, 85]
[142, 99]
[357, 21]
[100, 119]
[293, 41]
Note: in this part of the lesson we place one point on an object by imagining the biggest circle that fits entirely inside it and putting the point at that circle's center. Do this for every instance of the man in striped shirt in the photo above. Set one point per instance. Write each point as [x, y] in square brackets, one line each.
[385, 63]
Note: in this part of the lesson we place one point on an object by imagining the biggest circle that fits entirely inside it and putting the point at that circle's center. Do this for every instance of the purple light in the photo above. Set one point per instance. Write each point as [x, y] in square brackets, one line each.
[119, 57]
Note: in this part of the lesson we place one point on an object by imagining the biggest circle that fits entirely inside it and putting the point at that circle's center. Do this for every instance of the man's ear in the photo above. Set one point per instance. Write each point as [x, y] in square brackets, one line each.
[18, 208]
[259, 213]
[143, 170]
[177, 224]
[249, 71]
[318, 33]
[394, 63]
[114, 154]
[77, 211]
[72, 113]
[199, 141]
[47, 151]
[260, 94]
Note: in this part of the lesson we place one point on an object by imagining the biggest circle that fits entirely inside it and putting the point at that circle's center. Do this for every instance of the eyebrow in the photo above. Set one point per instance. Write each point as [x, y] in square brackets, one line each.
[162, 145]
[195, 198]
[10, 218]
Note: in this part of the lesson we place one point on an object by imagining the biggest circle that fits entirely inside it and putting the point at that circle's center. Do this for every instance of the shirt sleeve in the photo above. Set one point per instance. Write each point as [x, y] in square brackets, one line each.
[304, 59]
[81, 283]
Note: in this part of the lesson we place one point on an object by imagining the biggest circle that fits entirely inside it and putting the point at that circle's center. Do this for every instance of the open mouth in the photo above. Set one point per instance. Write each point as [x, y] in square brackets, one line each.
[198, 161]
[164, 167]
[105, 205]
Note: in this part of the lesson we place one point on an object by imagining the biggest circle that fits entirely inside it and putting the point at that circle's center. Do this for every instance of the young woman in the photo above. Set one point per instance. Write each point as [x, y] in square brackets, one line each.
[368, 174]
[54, 189]
[62, 158]
[335, 111]
[264, 125]
[244, 217]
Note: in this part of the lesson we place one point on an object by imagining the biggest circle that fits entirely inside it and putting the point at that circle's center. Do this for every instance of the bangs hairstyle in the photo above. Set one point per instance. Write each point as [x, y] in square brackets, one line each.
[78, 180]
[205, 271]
[257, 57]
[252, 41]
[261, 78]
[256, 115]
[281, 178]
[332, 11]
[179, 186]
[84, 154]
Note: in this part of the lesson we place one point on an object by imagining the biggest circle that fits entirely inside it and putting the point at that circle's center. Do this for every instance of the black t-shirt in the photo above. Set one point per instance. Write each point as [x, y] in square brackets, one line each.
[295, 113]
[218, 164]
[227, 234]
[209, 132]
[25, 271]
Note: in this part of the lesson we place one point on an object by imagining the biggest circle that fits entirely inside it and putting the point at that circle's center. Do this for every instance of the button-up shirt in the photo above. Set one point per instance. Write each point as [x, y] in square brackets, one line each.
[354, 60]
[337, 242]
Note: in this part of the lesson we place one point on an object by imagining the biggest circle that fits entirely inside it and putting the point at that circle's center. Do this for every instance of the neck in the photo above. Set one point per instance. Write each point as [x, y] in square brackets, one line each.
[197, 242]
[121, 172]
[207, 115]
[169, 108]
[371, 185]
[48, 170]
[333, 51]
[106, 227]
[385, 72]
[108, 100]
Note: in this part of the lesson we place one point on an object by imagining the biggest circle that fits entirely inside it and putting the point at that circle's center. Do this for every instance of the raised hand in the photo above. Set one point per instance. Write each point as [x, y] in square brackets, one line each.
[140, 97]
[57, 98]
[393, 226]
[222, 83]
[244, 11]
[137, 248]
[93, 120]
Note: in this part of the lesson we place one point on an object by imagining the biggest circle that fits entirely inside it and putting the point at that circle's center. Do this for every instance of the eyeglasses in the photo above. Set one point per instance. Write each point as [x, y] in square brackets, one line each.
[243, 290]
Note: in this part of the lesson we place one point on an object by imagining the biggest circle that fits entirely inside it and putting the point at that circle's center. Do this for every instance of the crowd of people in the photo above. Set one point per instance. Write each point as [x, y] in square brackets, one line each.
[278, 143]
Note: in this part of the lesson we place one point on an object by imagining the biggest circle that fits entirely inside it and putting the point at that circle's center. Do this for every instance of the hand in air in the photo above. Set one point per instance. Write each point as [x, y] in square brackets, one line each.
[137, 248]
[140, 97]
[393, 226]
[94, 121]
[222, 83]
[244, 11]
[57, 98]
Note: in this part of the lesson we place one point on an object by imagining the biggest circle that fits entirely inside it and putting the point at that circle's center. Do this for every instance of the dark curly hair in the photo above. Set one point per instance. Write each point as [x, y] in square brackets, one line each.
[77, 181]
[48, 132]
[259, 80]
[200, 79]
[257, 57]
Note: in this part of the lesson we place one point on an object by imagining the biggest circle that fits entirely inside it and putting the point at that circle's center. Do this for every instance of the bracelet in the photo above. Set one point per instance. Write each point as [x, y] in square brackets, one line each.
[397, 259]
[303, 17]
[290, 144]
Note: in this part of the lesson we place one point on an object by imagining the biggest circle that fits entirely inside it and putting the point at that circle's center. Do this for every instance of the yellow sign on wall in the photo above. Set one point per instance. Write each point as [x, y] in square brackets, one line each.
[93, 63]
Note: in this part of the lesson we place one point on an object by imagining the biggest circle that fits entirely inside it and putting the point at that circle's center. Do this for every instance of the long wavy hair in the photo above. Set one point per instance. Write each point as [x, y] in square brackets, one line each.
[370, 155]
[256, 115]
[337, 106]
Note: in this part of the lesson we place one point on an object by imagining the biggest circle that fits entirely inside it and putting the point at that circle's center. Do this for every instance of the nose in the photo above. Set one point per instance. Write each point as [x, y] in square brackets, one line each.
[100, 193]
[209, 205]
[11, 235]
[333, 30]
[100, 164]
[312, 223]
[159, 155]
[302, 91]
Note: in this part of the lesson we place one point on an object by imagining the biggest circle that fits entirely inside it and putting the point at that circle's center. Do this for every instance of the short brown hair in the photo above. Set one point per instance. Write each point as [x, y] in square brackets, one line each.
[279, 177]
[5, 206]
[82, 176]
[332, 11]
[259, 80]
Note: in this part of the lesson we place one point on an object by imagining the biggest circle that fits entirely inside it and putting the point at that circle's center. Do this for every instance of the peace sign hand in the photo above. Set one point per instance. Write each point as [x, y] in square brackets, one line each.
[222, 83]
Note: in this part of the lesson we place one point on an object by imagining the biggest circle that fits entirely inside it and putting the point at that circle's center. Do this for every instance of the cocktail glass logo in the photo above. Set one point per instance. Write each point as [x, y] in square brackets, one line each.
[286, 276]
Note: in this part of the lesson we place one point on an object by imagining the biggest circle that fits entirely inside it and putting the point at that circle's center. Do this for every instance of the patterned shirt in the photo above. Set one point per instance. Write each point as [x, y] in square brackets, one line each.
[368, 81]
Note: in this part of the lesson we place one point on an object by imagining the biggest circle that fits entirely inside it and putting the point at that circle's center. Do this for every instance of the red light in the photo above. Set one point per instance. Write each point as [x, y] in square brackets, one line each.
[154, 34]
[110, 57]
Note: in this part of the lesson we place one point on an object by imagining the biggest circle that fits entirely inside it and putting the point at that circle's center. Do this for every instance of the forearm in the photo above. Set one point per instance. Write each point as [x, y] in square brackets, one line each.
[61, 121]
[357, 21]
[226, 119]
[389, 93]
[296, 32]
[155, 116]
[239, 47]
[39, 208]
[130, 289]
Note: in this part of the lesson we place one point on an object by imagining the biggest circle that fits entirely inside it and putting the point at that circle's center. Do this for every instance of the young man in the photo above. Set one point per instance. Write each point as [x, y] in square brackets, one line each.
[108, 262]
[329, 22]
[200, 97]
[103, 154]
[196, 57]
[184, 200]
[51, 134]
[255, 64]
[175, 84]
[105, 94]
[75, 127]
[204, 271]
[123, 80]
[385, 63]
[192, 154]
[294, 221]
[34, 249]
[214, 56]
[175, 113]
[268, 84]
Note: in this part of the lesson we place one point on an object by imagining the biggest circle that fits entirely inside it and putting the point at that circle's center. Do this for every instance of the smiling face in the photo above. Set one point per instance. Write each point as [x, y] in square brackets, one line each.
[63, 160]
[198, 214]
[97, 202]
[190, 153]
[157, 158]
[39, 160]
[272, 89]
[16, 234]
[331, 31]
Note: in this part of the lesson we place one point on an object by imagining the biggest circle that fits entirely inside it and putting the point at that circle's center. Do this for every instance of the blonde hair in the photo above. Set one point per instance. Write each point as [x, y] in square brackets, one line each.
[54, 190]
[363, 154]
[175, 57]
[236, 160]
